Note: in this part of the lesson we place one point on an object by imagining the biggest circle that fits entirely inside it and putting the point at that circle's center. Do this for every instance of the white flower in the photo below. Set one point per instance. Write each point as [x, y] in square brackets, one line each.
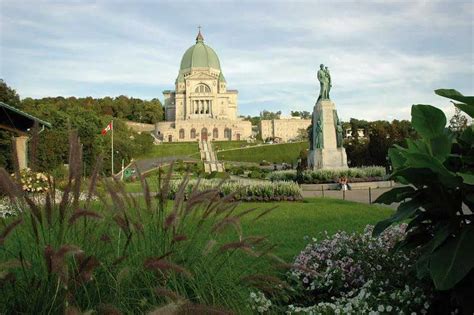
[381, 308]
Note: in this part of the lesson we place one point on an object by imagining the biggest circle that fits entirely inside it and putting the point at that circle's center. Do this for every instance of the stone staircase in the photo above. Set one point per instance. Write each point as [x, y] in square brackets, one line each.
[208, 156]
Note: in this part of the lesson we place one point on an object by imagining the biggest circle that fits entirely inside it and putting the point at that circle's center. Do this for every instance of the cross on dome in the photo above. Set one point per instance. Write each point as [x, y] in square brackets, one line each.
[199, 37]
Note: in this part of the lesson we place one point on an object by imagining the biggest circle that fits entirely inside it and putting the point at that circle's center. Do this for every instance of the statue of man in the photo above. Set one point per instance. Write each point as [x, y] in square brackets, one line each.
[317, 137]
[324, 83]
[328, 75]
[338, 127]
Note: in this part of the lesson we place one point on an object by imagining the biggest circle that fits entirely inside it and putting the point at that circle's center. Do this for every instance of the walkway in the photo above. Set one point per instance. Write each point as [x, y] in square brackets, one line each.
[359, 195]
[208, 156]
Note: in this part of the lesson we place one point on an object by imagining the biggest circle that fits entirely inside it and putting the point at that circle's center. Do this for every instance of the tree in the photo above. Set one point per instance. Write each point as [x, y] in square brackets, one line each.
[10, 97]
[268, 115]
[303, 114]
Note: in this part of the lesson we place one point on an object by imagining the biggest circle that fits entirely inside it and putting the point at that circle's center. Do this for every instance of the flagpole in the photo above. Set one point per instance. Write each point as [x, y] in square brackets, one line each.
[112, 143]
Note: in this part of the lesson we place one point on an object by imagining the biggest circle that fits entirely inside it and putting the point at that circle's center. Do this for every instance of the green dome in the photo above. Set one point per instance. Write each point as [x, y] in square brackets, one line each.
[200, 56]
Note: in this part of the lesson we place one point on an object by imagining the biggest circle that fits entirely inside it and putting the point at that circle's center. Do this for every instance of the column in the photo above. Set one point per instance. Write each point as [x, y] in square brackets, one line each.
[21, 145]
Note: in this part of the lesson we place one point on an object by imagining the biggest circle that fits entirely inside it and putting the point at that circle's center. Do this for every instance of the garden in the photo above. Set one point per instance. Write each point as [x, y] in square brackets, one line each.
[191, 246]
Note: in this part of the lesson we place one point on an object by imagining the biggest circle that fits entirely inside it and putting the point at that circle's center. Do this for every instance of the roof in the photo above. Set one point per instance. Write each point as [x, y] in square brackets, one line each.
[13, 119]
[199, 55]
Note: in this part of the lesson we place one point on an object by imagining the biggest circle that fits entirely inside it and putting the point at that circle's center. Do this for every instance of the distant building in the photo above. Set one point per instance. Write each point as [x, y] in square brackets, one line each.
[201, 107]
[286, 129]
[360, 133]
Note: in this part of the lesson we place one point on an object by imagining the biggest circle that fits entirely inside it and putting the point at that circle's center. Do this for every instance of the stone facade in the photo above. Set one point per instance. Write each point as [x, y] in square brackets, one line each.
[201, 107]
[285, 129]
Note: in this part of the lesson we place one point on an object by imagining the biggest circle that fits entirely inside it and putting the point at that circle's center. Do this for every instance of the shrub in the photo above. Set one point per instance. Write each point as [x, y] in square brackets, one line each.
[242, 189]
[437, 170]
[327, 176]
[122, 254]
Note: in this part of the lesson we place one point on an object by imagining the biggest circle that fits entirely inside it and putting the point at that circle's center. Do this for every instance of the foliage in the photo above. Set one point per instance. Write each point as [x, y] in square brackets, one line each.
[274, 153]
[242, 190]
[122, 107]
[355, 273]
[330, 176]
[438, 169]
[86, 115]
[380, 136]
[303, 114]
[268, 115]
[124, 254]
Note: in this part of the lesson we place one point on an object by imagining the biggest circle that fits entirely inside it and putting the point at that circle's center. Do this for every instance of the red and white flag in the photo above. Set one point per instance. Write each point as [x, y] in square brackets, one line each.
[107, 129]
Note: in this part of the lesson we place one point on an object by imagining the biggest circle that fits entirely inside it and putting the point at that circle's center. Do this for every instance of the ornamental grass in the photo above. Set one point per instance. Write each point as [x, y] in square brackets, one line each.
[127, 254]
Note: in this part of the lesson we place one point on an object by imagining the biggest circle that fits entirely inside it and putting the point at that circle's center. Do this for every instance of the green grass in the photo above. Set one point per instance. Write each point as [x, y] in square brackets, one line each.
[226, 145]
[172, 149]
[278, 153]
[289, 224]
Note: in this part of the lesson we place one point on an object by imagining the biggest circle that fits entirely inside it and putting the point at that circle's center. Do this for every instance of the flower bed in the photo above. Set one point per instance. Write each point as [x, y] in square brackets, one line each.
[245, 190]
[356, 272]
[357, 174]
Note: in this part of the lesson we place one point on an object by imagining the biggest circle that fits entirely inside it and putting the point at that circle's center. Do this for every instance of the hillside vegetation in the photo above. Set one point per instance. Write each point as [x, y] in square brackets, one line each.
[278, 153]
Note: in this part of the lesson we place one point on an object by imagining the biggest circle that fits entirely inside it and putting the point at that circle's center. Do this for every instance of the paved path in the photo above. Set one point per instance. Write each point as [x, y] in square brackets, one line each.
[359, 195]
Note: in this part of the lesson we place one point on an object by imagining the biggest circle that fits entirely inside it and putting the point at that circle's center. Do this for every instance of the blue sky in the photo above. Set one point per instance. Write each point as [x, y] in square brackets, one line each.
[383, 55]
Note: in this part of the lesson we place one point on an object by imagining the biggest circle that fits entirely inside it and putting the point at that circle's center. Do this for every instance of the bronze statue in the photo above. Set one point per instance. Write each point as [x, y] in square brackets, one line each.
[328, 75]
[338, 128]
[317, 132]
[323, 83]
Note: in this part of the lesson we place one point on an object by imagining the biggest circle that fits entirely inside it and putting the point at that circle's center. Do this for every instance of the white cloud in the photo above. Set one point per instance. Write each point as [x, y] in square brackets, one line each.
[383, 56]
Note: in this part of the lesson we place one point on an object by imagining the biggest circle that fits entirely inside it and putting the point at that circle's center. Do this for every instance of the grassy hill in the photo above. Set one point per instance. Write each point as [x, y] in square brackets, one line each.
[278, 153]
[172, 149]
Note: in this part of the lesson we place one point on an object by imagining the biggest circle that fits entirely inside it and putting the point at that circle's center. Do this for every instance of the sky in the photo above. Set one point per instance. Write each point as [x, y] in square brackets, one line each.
[383, 56]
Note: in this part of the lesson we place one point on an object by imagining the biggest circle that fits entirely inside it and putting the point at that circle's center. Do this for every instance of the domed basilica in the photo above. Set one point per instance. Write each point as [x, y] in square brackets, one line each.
[201, 107]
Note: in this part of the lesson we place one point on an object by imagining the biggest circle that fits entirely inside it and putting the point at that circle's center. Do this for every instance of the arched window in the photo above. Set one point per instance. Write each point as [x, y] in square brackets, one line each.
[181, 133]
[228, 133]
[215, 133]
[202, 88]
[193, 133]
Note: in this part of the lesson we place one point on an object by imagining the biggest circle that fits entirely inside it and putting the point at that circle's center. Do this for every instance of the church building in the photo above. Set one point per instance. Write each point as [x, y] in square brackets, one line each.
[201, 107]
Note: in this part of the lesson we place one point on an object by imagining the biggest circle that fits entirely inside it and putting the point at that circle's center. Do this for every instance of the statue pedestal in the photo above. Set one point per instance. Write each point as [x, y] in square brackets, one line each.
[329, 155]
[335, 158]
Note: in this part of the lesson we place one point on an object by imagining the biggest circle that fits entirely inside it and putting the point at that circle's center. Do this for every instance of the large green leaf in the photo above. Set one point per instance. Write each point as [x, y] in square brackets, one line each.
[428, 120]
[396, 194]
[455, 95]
[396, 157]
[468, 136]
[467, 178]
[452, 261]
[418, 160]
[467, 108]
[441, 146]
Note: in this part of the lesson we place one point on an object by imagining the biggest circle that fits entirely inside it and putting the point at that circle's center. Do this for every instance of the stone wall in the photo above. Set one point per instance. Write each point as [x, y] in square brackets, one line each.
[140, 127]
[285, 129]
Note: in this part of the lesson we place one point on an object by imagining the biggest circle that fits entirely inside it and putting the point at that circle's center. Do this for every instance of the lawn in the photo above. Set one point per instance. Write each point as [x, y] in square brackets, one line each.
[227, 145]
[172, 149]
[291, 222]
[278, 153]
